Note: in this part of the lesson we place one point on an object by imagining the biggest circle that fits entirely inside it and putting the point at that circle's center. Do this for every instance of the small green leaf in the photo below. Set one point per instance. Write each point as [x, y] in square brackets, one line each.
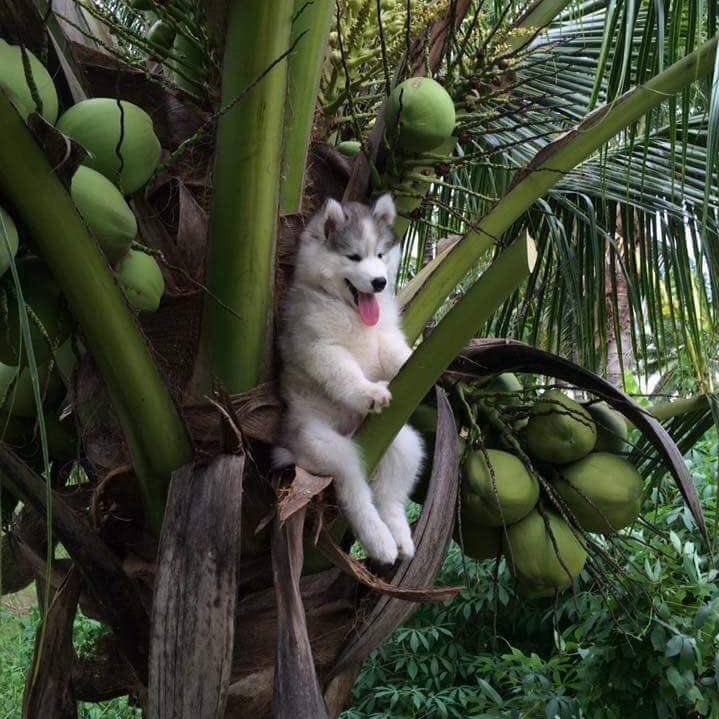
[674, 646]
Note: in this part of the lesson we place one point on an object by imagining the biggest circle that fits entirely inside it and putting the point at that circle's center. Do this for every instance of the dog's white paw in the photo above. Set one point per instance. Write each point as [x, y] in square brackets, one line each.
[406, 550]
[403, 537]
[380, 545]
[378, 396]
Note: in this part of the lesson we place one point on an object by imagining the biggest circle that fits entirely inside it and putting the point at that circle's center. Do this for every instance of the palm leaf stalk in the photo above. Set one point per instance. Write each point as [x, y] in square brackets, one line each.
[541, 13]
[310, 27]
[246, 180]
[431, 358]
[537, 16]
[549, 166]
[155, 432]
[678, 407]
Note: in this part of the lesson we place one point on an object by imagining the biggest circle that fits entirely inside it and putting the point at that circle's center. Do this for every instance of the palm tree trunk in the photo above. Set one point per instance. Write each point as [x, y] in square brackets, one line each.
[619, 330]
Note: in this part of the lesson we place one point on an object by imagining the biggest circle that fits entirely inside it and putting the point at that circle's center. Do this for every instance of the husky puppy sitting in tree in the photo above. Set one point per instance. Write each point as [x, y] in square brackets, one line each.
[341, 343]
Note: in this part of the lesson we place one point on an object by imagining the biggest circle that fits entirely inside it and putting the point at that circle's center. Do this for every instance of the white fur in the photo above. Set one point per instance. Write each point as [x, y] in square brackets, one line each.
[336, 370]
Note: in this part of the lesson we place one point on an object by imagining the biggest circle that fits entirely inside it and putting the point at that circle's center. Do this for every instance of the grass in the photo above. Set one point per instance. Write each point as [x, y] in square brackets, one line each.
[19, 618]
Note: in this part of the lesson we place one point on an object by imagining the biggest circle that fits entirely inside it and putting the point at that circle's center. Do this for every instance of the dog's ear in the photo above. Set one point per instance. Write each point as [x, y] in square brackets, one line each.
[333, 217]
[384, 210]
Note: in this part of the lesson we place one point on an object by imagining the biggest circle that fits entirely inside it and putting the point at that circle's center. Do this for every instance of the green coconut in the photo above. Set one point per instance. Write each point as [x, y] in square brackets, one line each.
[104, 209]
[537, 563]
[20, 399]
[560, 430]
[8, 231]
[504, 391]
[14, 82]
[349, 148]
[419, 492]
[611, 427]
[603, 491]
[50, 321]
[190, 63]
[161, 35]
[478, 541]
[97, 125]
[141, 279]
[19, 395]
[424, 419]
[420, 115]
[504, 384]
[516, 492]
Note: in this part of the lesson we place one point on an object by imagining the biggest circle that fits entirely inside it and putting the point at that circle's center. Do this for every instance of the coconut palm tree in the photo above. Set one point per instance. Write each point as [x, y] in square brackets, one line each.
[575, 183]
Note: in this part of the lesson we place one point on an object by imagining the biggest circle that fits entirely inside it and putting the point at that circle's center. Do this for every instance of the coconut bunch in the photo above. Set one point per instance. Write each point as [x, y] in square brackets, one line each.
[425, 118]
[419, 138]
[486, 70]
[540, 476]
[123, 153]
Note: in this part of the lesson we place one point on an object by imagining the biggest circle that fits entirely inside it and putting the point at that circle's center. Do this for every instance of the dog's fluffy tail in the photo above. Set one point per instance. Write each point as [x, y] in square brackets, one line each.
[282, 457]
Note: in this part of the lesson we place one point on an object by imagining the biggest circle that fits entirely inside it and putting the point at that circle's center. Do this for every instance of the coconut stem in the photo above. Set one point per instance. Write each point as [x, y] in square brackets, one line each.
[241, 255]
[311, 25]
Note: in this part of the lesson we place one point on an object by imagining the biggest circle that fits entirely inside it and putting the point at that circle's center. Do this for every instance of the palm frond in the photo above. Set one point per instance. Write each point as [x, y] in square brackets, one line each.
[628, 241]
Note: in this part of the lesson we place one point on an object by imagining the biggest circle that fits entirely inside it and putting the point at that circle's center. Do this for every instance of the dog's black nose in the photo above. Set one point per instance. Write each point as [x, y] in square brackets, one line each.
[379, 283]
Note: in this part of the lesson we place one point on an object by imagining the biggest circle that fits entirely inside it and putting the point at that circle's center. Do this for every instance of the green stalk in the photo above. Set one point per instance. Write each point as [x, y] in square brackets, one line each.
[666, 410]
[311, 27]
[539, 15]
[152, 424]
[430, 359]
[543, 172]
[246, 180]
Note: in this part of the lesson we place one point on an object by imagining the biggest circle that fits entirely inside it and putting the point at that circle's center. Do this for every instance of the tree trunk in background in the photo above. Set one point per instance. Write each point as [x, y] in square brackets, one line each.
[616, 298]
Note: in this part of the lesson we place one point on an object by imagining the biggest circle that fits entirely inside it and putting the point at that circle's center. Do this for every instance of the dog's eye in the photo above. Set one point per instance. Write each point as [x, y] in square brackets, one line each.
[354, 258]
[379, 254]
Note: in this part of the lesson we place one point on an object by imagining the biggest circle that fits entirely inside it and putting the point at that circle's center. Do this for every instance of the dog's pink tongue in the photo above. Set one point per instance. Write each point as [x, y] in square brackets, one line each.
[368, 308]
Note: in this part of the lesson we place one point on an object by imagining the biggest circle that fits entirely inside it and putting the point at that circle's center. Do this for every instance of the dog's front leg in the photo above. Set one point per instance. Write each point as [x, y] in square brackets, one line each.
[338, 372]
[394, 352]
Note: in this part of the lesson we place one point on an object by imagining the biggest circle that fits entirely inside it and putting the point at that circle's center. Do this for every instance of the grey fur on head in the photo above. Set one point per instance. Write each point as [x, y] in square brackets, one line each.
[341, 225]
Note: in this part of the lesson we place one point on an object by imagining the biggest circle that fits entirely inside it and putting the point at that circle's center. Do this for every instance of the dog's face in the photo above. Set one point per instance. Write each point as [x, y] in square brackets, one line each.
[349, 250]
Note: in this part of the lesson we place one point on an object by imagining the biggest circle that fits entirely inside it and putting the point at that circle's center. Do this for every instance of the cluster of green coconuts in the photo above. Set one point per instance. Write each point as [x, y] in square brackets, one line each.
[419, 122]
[108, 174]
[578, 449]
[98, 189]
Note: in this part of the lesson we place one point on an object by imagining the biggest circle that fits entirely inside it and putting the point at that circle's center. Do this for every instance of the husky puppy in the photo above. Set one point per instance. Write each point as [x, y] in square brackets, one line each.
[341, 343]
